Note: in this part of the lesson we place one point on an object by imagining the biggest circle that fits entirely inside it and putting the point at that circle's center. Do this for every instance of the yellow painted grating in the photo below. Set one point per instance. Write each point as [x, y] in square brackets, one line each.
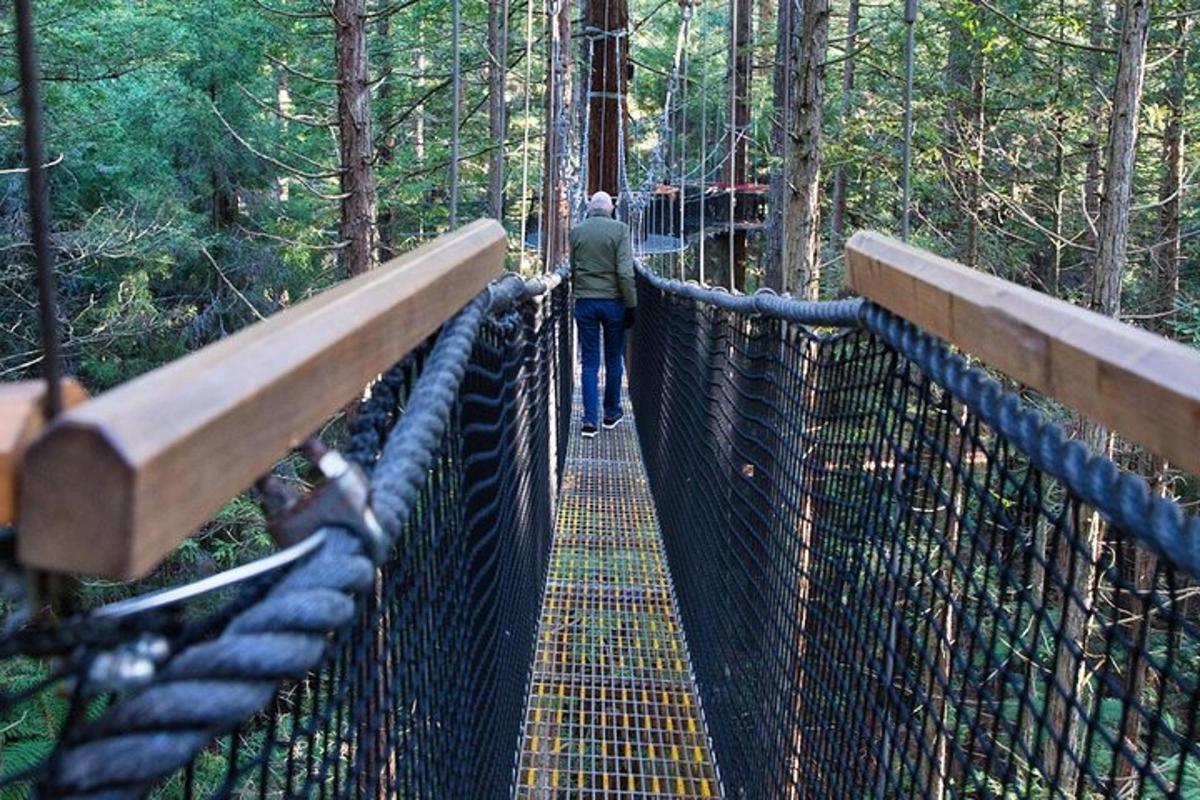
[613, 710]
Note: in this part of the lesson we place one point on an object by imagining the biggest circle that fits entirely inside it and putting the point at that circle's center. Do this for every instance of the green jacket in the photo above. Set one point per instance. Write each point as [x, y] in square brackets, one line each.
[602, 260]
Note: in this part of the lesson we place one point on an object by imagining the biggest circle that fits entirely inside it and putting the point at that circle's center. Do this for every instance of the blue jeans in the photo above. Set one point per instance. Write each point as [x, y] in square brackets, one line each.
[590, 317]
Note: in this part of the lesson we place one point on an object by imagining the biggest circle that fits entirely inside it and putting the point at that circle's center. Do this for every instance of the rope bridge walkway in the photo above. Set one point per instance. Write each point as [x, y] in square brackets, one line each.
[613, 709]
[898, 578]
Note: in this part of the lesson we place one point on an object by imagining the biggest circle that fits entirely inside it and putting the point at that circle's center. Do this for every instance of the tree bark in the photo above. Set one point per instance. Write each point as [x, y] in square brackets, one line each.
[1168, 252]
[1066, 720]
[283, 107]
[1113, 227]
[781, 121]
[1098, 22]
[357, 230]
[802, 211]
[962, 143]
[497, 102]
[1165, 257]
[556, 215]
[609, 23]
[387, 147]
[223, 188]
[741, 66]
[839, 178]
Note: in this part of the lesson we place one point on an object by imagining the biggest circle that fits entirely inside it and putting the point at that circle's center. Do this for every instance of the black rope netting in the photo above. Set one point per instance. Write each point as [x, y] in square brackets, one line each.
[898, 581]
[334, 678]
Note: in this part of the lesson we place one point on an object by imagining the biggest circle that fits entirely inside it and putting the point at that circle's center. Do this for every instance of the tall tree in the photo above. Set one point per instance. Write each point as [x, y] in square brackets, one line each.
[357, 229]
[962, 145]
[1097, 99]
[608, 23]
[848, 67]
[1112, 230]
[1165, 257]
[1168, 252]
[556, 215]
[802, 155]
[386, 153]
[781, 121]
[497, 102]
[741, 68]
[1113, 227]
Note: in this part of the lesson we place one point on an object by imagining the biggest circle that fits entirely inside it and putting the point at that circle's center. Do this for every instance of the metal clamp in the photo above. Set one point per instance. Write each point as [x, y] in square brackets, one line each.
[129, 666]
[342, 500]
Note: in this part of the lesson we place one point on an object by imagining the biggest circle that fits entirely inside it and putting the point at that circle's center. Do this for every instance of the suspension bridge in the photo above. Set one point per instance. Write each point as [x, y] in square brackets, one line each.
[837, 549]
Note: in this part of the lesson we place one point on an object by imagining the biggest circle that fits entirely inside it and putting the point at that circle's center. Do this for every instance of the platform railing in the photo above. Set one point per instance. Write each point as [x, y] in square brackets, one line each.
[384, 653]
[897, 578]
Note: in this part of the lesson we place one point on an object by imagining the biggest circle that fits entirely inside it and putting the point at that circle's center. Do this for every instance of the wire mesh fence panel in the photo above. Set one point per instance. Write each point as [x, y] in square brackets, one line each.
[332, 676]
[897, 580]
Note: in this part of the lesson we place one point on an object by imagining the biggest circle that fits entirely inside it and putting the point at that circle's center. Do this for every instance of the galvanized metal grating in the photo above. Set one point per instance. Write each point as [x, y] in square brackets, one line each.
[613, 709]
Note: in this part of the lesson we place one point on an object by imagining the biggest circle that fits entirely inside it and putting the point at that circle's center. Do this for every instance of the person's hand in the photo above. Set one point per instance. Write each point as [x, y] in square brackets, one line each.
[630, 317]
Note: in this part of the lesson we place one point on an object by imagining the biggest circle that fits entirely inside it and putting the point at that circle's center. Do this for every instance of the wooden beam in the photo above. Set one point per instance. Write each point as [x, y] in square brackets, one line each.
[114, 485]
[1144, 387]
[21, 419]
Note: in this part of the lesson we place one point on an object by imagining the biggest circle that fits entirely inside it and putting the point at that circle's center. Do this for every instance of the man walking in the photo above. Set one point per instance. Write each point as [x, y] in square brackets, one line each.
[605, 303]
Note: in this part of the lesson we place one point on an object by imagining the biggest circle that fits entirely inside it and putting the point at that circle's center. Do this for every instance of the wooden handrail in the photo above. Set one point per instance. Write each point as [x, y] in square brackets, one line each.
[115, 484]
[1140, 385]
[21, 420]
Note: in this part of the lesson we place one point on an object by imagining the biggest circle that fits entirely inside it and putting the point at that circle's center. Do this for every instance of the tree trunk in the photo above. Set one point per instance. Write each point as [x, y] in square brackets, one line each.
[1165, 256]
[1167, 253]
[802, 212]
[357, 231]
[741, 66]
[609, 84]
[497, 103]
[418, 117]
[387, 147]
[1113, 228]
[556, 215]
[1098, 22]
[1053, 276]
[839, 178]
[1066, 721]
[283, 107]
[962, 143]
[222, 187]
[781, 121]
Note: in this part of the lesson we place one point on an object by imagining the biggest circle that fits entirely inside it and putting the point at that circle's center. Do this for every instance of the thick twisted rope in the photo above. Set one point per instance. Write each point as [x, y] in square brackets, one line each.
[838, 313]
[1123, 498]
[209, 689]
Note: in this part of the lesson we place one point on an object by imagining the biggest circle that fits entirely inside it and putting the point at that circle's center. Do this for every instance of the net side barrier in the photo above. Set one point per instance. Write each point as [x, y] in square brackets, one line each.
[330, 675]
[897, 577]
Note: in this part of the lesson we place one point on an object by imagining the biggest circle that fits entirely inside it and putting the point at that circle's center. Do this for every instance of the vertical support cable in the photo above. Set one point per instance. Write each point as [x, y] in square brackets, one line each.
[456, 107]
[703, 166]
[733, 134]
[683, 95]
[39, 207]
[910, 22]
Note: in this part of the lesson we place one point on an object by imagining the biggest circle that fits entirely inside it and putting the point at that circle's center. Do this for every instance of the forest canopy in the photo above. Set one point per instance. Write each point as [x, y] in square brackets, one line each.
[196, 169]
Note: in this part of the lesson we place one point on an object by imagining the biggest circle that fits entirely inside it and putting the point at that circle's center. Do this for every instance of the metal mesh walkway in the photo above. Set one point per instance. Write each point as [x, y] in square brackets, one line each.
[613, 709]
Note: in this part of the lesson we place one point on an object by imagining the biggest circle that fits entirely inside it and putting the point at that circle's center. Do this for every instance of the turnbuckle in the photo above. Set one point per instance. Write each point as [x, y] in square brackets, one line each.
[341, 499]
